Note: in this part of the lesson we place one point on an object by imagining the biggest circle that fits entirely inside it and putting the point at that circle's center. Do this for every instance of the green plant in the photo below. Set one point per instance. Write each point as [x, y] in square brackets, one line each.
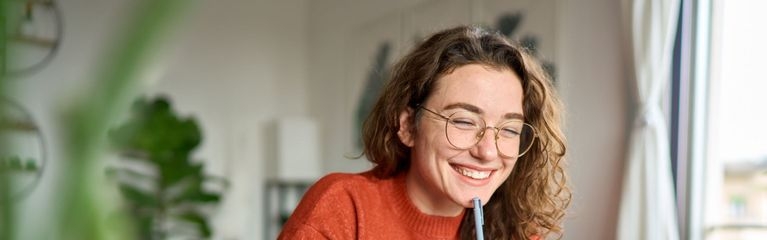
[162, 185]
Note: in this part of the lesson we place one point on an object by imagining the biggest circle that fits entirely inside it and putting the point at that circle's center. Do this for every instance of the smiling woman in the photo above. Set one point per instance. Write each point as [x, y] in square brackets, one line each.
[474, 170]
[465, 115]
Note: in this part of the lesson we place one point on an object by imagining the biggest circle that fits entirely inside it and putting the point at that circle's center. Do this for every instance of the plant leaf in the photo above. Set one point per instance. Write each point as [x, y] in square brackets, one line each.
[199, 220]
[138, 197]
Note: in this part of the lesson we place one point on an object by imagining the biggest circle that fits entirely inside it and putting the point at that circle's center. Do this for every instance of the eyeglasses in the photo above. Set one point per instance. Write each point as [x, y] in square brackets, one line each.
[464, 130]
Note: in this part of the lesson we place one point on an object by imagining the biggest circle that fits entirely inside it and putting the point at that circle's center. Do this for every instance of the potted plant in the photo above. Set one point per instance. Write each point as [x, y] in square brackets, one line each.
[163, 186]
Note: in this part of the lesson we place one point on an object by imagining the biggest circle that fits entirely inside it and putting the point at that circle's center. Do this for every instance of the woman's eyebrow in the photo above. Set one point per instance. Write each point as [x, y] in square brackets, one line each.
[465, 106]
[477, 110]
[514, 116]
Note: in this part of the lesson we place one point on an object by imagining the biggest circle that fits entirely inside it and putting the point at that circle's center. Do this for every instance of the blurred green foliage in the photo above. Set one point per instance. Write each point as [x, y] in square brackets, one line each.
[166, 195]
[7, 229]
[83, 203]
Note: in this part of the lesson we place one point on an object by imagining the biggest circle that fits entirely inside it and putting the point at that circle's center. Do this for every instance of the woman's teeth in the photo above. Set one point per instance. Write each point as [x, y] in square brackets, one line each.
[479, 175]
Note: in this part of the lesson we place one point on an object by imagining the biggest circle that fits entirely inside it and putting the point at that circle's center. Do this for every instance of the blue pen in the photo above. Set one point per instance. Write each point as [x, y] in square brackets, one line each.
[478, 219]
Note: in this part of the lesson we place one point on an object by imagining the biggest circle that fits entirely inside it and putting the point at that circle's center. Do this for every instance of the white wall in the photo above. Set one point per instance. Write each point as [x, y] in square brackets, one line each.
[331, 23]
[595, 87]
[240, 65]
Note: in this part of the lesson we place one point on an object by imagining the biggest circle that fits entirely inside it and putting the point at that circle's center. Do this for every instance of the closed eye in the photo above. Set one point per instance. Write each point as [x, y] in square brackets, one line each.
[464, 123]
[510, 132]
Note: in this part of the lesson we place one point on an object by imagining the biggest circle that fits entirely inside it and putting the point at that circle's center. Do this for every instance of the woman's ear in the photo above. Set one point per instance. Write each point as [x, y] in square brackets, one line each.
[406, 128]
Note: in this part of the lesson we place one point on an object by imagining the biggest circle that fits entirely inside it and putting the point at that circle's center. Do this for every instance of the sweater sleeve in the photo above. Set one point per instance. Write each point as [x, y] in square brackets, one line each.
[327, 211]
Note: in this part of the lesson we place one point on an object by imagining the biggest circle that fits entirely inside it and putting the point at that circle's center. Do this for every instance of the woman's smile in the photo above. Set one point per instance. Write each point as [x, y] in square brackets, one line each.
[472, 173]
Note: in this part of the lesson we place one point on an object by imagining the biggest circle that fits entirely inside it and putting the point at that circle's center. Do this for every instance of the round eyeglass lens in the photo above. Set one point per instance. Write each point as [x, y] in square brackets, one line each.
[515, 138]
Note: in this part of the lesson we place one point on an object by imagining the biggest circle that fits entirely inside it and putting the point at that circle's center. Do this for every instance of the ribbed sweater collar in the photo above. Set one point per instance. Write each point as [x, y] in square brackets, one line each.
[435, 226]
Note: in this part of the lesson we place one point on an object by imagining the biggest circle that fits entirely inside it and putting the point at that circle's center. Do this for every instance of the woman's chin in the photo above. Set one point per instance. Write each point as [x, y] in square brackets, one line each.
[468, 201]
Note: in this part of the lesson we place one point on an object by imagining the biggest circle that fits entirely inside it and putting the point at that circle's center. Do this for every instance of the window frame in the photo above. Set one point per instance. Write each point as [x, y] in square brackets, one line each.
[689, 98]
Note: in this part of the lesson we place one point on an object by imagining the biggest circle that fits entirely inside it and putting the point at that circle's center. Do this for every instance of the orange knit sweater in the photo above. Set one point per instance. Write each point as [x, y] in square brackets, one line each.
[362, 206]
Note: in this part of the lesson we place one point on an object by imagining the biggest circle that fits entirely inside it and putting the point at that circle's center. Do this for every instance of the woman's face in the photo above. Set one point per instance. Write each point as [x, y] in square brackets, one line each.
[442, 179]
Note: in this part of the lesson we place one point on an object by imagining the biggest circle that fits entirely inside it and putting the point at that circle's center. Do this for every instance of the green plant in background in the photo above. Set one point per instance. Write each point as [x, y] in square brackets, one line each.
[162, 184]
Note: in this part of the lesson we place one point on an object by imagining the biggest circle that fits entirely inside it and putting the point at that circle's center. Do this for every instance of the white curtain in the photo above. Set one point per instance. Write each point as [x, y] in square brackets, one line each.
[648, 209]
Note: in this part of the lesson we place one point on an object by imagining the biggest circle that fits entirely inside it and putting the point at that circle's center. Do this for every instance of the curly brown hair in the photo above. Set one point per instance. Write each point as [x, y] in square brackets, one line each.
[533, 199]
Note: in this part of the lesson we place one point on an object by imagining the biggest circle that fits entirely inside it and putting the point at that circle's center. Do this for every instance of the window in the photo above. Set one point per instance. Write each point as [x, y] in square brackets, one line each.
[719, 120]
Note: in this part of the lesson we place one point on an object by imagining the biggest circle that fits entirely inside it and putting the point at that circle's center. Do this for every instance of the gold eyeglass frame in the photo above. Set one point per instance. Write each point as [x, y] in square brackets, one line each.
[481, 134]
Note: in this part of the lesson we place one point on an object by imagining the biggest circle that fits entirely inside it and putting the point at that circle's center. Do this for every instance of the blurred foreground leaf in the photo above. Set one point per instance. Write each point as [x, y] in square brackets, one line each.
[83, 202]
[7, 228]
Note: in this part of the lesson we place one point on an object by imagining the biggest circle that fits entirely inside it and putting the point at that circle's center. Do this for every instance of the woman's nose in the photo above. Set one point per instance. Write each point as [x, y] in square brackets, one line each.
[485, 148]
